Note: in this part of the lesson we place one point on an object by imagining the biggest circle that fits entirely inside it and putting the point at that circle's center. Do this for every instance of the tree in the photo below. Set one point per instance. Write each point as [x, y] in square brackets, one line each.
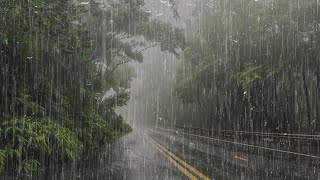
[58, 59]
[252, 66]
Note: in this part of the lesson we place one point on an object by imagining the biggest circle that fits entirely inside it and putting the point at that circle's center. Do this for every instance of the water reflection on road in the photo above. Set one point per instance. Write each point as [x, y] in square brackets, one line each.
[129, 157]
[133, 157]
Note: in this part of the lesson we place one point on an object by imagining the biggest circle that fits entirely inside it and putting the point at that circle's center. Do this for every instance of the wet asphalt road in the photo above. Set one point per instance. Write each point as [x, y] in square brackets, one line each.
[220, 160]
[133, 157]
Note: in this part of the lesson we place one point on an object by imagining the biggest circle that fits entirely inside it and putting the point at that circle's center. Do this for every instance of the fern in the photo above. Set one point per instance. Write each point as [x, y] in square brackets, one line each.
[28, 165]
[2, 159]
[35, 135]
[26, 101]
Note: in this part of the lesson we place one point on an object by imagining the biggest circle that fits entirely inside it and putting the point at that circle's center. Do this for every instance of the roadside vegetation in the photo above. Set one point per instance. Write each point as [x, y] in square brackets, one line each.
[252, 65]
[59, 60]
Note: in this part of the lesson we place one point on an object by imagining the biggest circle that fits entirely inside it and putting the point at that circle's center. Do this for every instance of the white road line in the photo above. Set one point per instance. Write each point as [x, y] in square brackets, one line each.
[259, 133]
[248, 145]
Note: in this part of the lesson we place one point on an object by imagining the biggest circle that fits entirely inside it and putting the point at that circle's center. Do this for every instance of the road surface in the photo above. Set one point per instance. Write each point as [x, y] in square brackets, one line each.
[224, 159]
[167, 154]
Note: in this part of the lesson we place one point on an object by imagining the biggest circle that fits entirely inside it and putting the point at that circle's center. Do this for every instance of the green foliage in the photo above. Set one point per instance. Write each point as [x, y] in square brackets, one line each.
[121, 126]
[170, 38]
[260, 48]
[28, 165]
[58, 63]
[2, 159]
[119, 99]
[95, 130]
[248, 76]
[27, 135]
[26, 102]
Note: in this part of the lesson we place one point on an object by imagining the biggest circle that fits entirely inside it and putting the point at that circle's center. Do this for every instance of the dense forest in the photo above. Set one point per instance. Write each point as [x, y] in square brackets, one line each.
[252, 65]
[65, 68]
[248, 65]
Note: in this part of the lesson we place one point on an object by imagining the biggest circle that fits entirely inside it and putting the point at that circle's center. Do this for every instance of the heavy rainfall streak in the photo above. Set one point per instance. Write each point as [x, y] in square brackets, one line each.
[160, 89]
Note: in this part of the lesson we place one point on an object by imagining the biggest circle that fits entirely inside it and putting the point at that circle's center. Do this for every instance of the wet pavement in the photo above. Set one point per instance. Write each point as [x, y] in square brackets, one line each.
[134, 157]
[131, 157]
[220, 160]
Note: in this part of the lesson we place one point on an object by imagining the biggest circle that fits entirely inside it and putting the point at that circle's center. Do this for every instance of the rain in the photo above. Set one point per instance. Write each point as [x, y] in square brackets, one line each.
[160, 89]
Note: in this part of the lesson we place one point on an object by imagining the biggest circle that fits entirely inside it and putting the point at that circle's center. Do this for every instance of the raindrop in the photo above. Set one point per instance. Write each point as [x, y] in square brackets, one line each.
[84, 3]
[163, 1]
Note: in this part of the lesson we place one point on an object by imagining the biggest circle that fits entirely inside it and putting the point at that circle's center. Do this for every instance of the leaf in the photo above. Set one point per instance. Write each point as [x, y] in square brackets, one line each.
[5, 40]
[2, 158]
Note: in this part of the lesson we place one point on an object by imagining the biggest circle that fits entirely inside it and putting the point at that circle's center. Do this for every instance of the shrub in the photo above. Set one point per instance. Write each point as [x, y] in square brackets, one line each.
[95, 130]
[26, 140]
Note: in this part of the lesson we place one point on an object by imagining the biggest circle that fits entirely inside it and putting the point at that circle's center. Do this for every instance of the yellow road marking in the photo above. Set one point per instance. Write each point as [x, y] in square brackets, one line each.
[182, 169]
[240, 158]
[198, 173]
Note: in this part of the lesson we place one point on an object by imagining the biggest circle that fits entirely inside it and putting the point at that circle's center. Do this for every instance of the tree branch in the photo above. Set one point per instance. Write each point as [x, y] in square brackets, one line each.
[124, 62]
[153, 45]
